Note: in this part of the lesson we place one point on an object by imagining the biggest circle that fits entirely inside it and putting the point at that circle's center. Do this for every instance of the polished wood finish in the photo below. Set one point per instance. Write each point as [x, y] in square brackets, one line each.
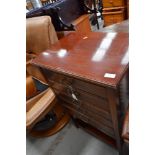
[84, 57]
[85, 72]
[62, 34]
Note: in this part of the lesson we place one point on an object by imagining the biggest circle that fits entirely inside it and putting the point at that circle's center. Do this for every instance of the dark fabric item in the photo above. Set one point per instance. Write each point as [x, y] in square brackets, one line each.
[46, 123]
[40, 86]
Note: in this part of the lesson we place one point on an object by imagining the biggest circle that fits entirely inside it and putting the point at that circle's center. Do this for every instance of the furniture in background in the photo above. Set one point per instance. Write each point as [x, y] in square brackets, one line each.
[66, 15]
[40, 34]
[95, 9]
[87, 78]
[113, 11]
[44, 115]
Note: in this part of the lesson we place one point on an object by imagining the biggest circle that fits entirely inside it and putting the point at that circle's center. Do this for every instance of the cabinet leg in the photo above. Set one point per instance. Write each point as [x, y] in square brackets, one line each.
[125, 149]
[76, 123]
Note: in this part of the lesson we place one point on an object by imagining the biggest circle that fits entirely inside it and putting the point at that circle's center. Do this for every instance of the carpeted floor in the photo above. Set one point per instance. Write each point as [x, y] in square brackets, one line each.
[69, 141]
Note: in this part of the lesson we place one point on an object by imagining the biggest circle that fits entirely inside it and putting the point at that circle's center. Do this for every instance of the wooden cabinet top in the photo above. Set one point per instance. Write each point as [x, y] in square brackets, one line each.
[101, 58]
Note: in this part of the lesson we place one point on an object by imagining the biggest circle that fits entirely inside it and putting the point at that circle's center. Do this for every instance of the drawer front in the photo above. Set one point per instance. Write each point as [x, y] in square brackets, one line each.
[108, 20]
[85, 108]
[56, 77]
[113, 18]
[86, 101]
[95, 117]
[112, 3]
[90, 88]
[78, 115]
[97, 111]
[104, 120]
[118, 17]
[53, 77]
[81, 107]
[77, 95]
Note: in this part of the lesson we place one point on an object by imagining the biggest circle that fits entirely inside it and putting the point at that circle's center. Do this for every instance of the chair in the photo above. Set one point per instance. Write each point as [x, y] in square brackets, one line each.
[38, 106]
[40, 35]
[37, 103]
[44, 115]
[66, 15]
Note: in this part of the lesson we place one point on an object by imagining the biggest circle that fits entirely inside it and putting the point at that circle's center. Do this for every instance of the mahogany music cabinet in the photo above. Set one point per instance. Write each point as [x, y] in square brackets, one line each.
[89, 75]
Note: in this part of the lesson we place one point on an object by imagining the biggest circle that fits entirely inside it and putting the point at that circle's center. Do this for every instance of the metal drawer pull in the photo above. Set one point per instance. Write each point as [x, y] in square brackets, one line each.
[72, 93]
[74, 97]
